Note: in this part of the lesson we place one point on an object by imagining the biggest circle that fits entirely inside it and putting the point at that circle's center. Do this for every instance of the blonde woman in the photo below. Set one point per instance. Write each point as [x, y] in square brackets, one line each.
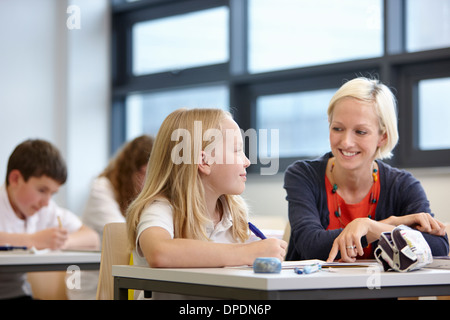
[190, 212]
[341, 202]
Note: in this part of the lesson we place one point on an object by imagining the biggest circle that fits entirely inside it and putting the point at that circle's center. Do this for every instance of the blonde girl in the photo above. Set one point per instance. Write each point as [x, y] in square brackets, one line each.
[189, 212]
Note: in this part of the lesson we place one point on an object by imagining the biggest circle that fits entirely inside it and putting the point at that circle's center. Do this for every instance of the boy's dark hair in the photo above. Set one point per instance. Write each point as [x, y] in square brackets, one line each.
[36, 158]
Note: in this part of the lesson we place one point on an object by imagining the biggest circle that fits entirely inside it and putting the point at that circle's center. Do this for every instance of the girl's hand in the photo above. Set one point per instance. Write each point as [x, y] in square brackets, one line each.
[271, 247]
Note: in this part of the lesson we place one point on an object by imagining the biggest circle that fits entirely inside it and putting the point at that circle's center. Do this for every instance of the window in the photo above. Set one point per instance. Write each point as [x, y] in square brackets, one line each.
[428, 24]
[180, 42]
[423, 112]
[276, 63]
[302, 121]
[145, 112]
[297, 33]
[434, 114]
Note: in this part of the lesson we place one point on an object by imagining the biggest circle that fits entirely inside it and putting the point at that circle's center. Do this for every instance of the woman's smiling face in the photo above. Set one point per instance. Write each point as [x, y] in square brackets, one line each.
[355, 133]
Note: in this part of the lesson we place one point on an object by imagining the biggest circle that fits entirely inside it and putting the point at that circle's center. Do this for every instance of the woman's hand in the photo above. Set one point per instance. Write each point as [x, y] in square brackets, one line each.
[348, 243]
[422, 221]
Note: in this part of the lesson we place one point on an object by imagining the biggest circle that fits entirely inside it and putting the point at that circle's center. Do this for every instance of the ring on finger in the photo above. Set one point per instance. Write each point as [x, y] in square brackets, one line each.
[351, 247]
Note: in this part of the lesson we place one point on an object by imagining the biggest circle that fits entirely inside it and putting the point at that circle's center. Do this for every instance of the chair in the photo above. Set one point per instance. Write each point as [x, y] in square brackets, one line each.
[287, 234]
[115, 251]
[48, 285]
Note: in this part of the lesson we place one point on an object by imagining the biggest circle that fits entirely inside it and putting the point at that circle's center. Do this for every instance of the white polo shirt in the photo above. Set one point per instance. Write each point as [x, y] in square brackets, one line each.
[15, 284]
[41, 220]
[160, 214]
[101, 206]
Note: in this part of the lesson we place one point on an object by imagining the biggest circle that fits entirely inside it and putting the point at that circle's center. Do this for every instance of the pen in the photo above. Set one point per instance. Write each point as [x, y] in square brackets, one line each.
[59, 221]
[256, 231]
[11, 248]
[308, 269]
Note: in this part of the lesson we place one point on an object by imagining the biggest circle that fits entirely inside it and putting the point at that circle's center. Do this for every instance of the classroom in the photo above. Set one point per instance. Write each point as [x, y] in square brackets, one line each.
[89, 76]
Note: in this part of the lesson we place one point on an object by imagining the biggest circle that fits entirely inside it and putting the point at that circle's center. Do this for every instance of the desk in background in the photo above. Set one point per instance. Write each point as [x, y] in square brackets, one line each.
[48, 261]
[243, 283]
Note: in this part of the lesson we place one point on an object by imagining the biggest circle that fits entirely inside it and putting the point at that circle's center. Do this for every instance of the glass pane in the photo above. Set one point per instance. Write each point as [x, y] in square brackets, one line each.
[301, 119]
[434, 112]
[145, 112]
[179, 42]
[427, 24]
[296, 33]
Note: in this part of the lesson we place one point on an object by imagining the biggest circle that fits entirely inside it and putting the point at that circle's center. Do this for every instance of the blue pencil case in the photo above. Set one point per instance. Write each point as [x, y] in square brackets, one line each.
[267, 265]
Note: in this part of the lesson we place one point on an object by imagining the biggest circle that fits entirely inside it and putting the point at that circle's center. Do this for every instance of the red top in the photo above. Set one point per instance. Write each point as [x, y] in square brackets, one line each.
[349, 212]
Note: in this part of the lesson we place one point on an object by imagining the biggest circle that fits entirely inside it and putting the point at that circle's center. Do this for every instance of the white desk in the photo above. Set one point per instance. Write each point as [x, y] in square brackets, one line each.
[49, 261]
[243, 283]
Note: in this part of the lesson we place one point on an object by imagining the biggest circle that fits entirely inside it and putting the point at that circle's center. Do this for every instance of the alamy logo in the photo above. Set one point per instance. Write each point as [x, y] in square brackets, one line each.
[74, 19]
[258, 142]
[374, 279]
[73, 279]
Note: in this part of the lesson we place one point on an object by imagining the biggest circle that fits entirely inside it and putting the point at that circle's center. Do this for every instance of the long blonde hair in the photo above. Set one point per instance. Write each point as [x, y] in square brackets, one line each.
[180, 183]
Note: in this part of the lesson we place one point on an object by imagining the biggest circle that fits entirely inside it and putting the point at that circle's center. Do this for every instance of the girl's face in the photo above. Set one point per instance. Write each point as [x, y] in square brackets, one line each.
[28, 197]
[228, 171]
[355, 133]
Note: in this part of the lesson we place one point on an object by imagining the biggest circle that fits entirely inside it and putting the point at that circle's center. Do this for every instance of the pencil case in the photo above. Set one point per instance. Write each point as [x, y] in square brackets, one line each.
[403, 249]
[267, 265]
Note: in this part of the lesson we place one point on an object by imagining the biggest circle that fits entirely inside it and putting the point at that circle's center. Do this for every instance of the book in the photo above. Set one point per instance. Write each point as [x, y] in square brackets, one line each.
[440, 262]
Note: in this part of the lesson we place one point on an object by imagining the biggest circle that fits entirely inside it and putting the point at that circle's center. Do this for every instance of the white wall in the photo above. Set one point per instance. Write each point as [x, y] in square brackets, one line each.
[54, 85]
[436, 182]
[28, 78]
[266, 197]
[88, 98]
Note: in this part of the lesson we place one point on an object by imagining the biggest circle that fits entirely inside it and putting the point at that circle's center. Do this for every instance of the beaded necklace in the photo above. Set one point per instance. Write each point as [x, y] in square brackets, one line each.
[372, 198]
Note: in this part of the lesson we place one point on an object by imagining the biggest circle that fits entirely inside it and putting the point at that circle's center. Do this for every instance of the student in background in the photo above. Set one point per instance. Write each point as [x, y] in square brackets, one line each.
[28, 215]
[341, 203]
[111, 193]
[190, 212]
[117, 186]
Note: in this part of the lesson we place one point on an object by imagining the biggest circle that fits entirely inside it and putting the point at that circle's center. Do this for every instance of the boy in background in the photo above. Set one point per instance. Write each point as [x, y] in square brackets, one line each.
[28, 215]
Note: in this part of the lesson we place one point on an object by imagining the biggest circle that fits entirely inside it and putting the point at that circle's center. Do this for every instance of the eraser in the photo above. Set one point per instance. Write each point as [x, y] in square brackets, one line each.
[267, 265]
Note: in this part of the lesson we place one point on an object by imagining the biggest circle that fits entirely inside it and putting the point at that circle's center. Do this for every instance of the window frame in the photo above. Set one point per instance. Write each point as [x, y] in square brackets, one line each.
[396, 68]
[410, 154]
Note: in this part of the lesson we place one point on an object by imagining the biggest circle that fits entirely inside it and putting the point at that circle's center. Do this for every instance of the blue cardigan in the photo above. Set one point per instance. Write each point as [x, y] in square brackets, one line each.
[304, 181]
